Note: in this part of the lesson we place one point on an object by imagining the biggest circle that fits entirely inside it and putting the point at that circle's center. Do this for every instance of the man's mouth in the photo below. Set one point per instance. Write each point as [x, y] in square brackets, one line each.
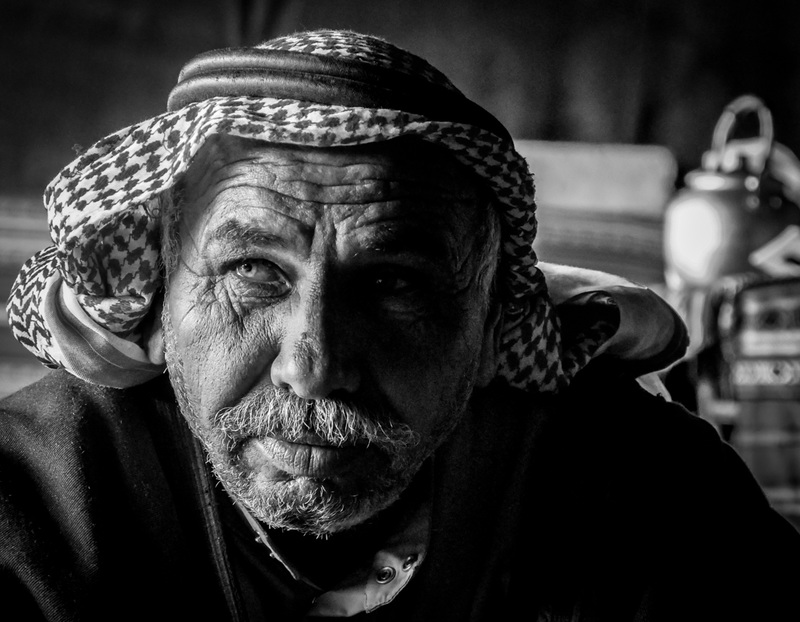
[309, 456]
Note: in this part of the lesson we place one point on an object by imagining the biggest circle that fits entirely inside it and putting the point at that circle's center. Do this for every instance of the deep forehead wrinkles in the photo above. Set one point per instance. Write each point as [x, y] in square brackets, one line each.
[307, 184]
[347, 177]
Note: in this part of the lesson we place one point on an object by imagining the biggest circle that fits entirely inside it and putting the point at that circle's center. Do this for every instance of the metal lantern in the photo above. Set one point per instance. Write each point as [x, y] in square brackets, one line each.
[732, 255]
[730, 208]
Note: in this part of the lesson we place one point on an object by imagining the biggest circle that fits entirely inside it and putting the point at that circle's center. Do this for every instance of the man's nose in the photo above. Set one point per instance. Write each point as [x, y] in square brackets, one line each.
[315, 357]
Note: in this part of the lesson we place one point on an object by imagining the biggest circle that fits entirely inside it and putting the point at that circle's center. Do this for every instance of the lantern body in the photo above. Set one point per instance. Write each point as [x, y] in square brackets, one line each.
[716, 221]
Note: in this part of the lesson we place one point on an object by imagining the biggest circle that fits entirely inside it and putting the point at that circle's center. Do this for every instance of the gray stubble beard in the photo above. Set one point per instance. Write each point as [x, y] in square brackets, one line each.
[310, 506]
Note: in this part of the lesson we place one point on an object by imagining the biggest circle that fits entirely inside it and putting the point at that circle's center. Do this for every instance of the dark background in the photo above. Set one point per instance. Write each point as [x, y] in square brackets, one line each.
[629, 72]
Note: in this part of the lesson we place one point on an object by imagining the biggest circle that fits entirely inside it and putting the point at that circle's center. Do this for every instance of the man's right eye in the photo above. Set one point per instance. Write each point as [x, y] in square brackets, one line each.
[264, 274]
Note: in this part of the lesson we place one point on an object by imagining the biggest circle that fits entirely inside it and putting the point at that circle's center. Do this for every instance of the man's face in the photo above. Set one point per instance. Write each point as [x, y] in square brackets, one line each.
[324, 323]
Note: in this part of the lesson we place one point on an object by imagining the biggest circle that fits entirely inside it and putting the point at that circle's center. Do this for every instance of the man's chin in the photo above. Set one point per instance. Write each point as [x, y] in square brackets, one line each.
[311, 505]
[327, 512]
[314, 505]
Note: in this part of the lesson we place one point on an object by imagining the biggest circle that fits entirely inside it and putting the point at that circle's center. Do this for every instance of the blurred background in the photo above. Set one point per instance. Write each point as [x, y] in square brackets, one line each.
[613, 102]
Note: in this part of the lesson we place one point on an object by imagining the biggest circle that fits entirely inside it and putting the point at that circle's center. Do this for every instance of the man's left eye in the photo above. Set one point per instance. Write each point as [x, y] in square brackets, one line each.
[390, 284]
[407, 286]
[262, 272]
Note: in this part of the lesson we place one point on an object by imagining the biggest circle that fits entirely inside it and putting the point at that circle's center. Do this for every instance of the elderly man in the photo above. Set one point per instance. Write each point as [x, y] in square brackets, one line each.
[373, 402]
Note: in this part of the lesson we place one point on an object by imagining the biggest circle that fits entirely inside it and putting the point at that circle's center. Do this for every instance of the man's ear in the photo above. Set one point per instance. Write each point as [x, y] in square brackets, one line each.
[490, 350]
[153, 335]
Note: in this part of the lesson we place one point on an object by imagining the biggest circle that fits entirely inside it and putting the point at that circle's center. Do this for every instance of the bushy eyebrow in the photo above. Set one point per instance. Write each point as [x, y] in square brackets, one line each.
[239, 233]
[389, 238]
[392, 238]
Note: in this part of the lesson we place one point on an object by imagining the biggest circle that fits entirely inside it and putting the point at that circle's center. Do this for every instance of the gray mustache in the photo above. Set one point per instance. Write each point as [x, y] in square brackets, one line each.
[280, 413]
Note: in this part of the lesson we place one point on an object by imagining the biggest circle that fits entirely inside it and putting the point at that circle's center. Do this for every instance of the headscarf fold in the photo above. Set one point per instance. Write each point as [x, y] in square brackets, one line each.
[86, 302]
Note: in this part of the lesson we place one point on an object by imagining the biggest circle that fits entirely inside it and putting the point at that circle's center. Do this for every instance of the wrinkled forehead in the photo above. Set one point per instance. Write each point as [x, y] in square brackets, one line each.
[405, 178]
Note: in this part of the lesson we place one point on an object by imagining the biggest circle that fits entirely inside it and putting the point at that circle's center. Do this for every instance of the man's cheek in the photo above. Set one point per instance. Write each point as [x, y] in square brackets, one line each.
[223, 359]
[422, 348]
[203, 310]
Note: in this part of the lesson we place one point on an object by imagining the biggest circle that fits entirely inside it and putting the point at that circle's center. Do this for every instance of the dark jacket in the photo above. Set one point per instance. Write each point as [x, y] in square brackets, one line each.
[606, 503]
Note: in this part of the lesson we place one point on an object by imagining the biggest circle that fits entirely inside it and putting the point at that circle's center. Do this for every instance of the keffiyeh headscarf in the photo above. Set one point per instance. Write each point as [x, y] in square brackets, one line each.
[86, 302]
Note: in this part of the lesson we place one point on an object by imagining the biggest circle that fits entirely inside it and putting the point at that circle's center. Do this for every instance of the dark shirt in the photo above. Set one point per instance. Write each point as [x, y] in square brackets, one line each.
[605, 503]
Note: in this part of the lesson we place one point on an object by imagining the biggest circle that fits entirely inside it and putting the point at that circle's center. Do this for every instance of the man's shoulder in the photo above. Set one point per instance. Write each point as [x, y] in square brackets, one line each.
[44, 414]
[98, 504]
[62, 418]
[621, 408]
[60, 396]
[55, 391]
[600, 405]
[607, 433]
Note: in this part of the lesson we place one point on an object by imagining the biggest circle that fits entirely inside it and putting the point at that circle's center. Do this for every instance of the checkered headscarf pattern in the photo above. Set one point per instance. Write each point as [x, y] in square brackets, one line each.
[106, 234]
[352, 46]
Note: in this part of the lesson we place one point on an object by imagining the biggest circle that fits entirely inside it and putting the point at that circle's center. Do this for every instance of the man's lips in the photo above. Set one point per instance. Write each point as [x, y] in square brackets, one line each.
[308, 457]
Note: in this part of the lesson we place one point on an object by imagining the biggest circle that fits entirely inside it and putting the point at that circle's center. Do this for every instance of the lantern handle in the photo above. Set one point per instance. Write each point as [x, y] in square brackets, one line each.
[731, 113]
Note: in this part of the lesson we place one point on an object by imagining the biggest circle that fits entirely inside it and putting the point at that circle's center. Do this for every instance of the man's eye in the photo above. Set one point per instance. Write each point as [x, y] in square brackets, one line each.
[390, 284]
[399, 283]
[262, 272]
[401, 292]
